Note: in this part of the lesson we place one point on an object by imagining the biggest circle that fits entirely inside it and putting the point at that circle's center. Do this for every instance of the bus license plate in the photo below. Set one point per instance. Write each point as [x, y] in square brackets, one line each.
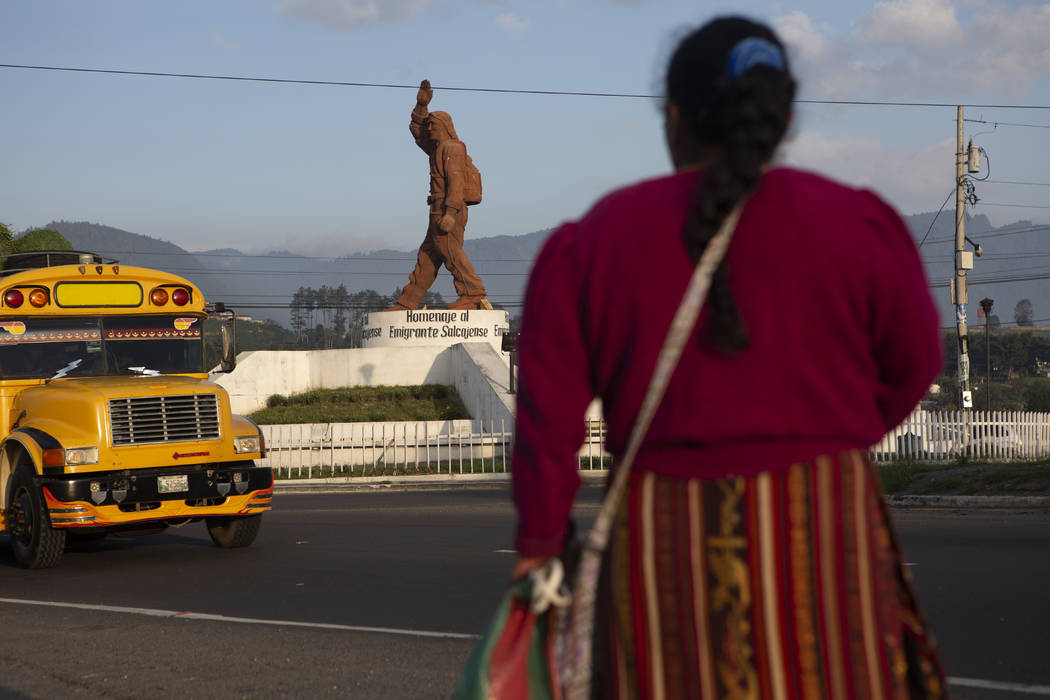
[173, 484]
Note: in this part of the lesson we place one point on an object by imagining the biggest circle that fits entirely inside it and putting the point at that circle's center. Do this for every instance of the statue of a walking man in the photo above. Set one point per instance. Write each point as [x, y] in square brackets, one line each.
[450, 192]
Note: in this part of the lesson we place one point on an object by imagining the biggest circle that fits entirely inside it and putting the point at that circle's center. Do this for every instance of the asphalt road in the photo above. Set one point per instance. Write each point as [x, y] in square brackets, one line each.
[428, 568]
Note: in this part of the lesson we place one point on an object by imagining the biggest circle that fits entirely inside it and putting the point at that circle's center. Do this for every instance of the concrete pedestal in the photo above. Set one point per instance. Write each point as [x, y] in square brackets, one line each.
[430, 327]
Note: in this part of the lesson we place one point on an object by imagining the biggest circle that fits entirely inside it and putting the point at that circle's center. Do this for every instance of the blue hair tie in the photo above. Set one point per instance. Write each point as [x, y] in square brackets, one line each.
[750, 52]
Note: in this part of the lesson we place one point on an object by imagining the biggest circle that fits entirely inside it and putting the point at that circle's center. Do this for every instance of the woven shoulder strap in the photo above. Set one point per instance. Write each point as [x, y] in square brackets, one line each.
[577, 671]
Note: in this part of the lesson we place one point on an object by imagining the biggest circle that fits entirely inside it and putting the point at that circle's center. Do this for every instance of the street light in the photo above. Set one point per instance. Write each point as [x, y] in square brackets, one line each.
[986, 306]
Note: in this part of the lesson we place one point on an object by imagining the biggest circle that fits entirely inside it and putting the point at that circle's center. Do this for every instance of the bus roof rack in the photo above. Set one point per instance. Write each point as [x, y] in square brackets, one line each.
[36, 259]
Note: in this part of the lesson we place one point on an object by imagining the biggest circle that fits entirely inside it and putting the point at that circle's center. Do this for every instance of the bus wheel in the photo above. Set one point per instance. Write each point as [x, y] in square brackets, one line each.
[36, 545]
[231, 532]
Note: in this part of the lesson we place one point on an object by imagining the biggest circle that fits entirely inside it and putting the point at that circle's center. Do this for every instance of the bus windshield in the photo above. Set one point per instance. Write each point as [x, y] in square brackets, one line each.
[38, 348]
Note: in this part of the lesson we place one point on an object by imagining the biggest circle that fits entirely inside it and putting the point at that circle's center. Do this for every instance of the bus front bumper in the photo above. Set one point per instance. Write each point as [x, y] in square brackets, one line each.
[133, 496]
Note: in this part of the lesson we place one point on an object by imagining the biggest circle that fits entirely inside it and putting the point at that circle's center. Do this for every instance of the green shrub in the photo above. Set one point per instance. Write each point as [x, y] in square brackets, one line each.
[1037, 395]
[364, 404]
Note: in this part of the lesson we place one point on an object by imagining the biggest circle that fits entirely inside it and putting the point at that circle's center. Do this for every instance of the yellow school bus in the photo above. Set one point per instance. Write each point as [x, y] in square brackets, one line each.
[109, 424]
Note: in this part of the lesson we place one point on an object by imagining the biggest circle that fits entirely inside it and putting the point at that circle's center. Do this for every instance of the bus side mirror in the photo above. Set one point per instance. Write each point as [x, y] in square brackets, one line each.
[228, 331]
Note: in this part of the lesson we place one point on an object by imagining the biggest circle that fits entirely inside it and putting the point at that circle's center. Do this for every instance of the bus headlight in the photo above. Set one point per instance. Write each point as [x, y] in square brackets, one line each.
[246, 444]
[81, 455]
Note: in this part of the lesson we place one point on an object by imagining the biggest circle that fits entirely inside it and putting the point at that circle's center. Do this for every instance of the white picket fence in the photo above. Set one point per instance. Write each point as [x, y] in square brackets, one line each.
[413, 447]
[471, 447]
[997, 436]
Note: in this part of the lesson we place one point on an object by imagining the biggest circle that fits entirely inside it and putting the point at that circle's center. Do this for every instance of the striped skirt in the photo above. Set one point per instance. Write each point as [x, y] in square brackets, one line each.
[780, 585]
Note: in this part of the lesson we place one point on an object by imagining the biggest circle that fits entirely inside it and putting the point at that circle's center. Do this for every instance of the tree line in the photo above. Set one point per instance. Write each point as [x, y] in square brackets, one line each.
[37, 239]
[1017, 360]
[332, 317]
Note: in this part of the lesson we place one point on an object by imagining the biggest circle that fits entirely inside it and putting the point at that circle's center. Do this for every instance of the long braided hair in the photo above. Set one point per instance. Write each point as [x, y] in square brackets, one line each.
[733, 117]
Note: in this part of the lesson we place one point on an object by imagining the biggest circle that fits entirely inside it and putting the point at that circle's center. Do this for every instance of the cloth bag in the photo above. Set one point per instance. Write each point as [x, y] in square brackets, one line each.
[541, 640]
[517, 655]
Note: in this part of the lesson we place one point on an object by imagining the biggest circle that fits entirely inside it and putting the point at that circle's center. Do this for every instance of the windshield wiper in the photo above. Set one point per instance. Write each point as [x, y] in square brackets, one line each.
[144, 371]
[67, 369]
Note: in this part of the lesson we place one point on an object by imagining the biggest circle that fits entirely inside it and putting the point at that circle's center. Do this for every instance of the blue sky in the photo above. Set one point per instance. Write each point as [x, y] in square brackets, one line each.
[331, 170]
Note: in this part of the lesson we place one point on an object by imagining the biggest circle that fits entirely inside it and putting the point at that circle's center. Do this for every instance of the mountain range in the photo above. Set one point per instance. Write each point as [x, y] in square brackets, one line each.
[262, 285]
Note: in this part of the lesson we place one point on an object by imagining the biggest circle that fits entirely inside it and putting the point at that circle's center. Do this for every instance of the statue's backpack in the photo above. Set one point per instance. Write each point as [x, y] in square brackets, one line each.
[472, 187]
[472, 176]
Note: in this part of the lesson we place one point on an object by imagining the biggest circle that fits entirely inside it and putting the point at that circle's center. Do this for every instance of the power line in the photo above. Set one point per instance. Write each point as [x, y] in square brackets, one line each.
[505, 305]
[1015, 182]
[994, 234]
[288, 296]
[943, 204]
[409, 256]
[1004, 324]
[1018, 206]
[875, 103]
[1016, 256]
[1013, 278]
[337, 83]
[451, 88]
[359, 273]
[1031, 126]
[994, 280]
[1011, 232]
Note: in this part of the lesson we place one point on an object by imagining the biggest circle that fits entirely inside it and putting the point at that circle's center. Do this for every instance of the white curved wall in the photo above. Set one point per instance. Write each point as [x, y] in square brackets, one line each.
[479, 373]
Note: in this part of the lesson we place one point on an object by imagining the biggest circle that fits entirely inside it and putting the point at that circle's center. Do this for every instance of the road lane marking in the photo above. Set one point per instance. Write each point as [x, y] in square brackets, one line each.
[505, 551]
[998, 685]
[152, 612]
[186, 615]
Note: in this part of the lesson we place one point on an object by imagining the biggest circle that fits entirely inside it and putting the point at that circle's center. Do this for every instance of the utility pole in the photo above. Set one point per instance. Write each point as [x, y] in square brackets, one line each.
[963, 262]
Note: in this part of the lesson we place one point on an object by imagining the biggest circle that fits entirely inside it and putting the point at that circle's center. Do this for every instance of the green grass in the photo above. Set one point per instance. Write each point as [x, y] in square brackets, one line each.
[966, 479]
[364, 405]
[905, 475]
[1019, 478]
[896, 476]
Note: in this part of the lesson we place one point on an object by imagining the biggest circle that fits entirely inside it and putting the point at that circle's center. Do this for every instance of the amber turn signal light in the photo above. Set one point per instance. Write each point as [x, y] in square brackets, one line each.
[159, 296]
[38, 297]
[54, 458]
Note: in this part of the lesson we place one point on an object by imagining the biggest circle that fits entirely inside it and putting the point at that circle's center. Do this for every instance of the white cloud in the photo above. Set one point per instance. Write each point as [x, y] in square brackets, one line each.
[797, 31]
[512, 23]
[1010, 47]
[348, 15]
[910, 21]
[923, 49]
[914, 180]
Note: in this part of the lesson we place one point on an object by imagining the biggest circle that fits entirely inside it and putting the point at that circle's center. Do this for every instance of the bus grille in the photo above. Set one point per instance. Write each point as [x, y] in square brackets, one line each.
[155, 419]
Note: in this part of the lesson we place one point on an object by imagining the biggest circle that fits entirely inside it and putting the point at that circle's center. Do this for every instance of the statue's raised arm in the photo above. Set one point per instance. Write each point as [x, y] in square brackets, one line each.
[420, 114]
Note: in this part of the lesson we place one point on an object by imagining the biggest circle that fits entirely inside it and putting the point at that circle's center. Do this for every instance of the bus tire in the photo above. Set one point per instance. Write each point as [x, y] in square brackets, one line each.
[237, 531]
[35, 544]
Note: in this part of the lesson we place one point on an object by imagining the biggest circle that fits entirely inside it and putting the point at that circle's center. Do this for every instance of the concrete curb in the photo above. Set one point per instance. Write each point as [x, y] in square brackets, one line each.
[969, 501]
[439, 481]
[410, 480]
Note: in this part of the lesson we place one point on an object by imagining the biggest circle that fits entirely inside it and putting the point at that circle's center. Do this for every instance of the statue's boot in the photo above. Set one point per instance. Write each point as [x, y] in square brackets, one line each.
[467, 303]
[399, 307]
